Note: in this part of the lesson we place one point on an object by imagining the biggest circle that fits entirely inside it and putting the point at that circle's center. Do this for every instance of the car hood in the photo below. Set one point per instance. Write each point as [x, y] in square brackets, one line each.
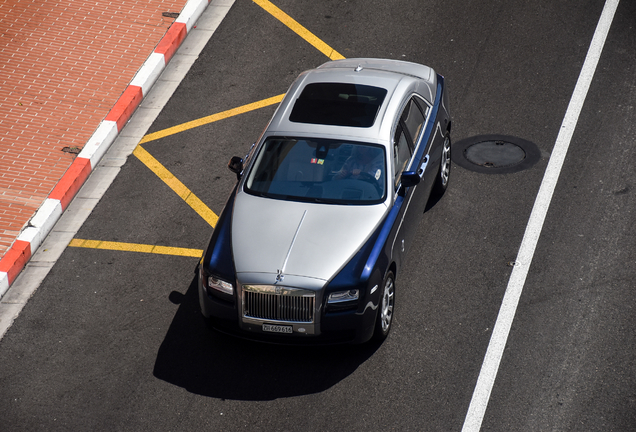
[297, 239]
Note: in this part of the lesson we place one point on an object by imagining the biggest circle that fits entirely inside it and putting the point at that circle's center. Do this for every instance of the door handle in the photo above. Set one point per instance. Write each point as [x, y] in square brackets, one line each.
[420, 171]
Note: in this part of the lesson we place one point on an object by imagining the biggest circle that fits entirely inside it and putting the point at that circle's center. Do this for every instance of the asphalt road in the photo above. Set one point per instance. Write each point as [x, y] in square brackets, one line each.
[114, 340]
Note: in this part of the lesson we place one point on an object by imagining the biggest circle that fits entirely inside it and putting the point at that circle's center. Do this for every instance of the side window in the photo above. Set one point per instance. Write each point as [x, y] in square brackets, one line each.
[401, 153]
[413, 119]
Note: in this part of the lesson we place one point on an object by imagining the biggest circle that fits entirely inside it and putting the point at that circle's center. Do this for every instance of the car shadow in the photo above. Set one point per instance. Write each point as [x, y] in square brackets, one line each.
[432, 201]
[209, 363]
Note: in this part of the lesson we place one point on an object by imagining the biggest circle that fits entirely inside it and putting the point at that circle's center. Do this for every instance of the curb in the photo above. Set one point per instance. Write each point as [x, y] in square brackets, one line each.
[30, 238]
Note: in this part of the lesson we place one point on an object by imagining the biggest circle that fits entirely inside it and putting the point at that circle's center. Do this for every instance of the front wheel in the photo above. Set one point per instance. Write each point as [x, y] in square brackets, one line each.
[385, 313]
[443, 175]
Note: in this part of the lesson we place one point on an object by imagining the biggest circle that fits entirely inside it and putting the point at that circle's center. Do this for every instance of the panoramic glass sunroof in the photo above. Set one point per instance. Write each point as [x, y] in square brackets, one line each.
[338, 104]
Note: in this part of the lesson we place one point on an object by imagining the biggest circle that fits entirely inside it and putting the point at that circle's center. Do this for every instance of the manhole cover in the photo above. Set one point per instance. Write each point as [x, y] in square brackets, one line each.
[495, 154]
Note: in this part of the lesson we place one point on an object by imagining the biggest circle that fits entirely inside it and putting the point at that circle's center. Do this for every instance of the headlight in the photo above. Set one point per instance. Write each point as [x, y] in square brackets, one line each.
[220, 285]
[343, 296]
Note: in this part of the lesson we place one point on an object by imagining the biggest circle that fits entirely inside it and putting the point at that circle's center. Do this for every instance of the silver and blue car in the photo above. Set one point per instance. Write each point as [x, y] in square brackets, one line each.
[314, 234]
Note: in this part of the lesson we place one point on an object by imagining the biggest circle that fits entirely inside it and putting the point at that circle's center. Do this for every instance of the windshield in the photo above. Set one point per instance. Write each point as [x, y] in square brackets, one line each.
[319, 170]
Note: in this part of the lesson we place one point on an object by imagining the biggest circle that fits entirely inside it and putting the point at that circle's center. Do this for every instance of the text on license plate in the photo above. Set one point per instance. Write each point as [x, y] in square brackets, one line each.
[277, 328]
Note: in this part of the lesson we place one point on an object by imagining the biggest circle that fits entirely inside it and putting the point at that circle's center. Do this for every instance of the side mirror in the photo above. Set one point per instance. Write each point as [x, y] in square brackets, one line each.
[236, 166]
[408, 179]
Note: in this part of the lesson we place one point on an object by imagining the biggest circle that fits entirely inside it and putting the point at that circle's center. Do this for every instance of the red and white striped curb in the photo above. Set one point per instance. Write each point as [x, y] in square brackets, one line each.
[30, 238]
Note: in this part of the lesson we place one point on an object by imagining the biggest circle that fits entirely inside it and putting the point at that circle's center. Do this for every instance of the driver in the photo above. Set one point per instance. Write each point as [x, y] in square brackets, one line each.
[364, 162]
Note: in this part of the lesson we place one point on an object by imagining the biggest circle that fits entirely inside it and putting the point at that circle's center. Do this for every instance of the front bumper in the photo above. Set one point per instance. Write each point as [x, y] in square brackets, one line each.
[350, 326]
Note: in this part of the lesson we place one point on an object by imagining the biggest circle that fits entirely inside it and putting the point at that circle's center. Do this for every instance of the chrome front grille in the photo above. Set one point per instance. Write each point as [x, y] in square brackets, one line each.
[278, 303]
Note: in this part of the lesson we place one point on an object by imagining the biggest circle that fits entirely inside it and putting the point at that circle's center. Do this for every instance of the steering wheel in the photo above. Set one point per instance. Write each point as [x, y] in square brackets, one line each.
[368, 178]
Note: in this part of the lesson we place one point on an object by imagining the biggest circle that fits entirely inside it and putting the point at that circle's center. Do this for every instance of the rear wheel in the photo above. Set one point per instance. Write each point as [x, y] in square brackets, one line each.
[443, 175]
[385, 313]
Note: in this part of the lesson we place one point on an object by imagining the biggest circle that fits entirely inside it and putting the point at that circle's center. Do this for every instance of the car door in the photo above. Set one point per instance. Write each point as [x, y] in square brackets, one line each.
[411, 153]
[402, 158]
[413, 119]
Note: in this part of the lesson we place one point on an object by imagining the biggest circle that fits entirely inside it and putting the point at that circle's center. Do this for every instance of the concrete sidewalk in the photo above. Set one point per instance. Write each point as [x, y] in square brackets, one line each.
[71, 75]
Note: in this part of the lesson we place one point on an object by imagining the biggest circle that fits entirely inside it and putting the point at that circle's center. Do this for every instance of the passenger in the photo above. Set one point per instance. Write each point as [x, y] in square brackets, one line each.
[364, 162]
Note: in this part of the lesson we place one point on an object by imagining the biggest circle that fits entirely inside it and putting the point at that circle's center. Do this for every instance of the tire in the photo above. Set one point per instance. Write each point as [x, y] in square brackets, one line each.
[443, 174]
[384, 318]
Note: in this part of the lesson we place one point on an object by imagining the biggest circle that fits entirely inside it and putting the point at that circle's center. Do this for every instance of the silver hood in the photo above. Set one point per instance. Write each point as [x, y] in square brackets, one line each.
[297, 239]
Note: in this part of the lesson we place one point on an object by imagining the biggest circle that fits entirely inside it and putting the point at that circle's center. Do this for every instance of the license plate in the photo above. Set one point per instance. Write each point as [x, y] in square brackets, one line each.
[277, 328]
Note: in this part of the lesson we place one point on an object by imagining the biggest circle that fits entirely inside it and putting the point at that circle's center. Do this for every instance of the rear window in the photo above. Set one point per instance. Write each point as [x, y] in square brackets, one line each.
[338, 104]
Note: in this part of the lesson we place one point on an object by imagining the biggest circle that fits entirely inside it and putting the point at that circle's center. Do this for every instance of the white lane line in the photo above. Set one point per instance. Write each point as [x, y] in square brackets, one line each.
[499, 336]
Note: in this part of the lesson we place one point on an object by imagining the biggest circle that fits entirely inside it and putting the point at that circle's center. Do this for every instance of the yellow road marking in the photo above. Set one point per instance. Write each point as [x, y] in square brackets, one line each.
[135, 247]
[211, 118]
[179, 188]
[166, 176]
[294, 26]
[299, 29]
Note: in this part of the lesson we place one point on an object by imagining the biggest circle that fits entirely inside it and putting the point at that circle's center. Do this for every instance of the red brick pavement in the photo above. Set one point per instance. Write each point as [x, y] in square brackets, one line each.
[63, 65]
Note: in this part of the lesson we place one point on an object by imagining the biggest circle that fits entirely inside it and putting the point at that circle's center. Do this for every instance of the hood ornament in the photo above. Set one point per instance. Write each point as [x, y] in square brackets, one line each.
[279, 276]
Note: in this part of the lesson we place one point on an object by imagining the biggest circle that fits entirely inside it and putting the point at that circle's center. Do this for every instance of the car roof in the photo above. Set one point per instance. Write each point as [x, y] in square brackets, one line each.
[400, 79]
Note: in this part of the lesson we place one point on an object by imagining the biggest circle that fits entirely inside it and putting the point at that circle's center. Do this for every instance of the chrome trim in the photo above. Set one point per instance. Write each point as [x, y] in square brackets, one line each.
[291, 246]
[278, 305]
[422, 169]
